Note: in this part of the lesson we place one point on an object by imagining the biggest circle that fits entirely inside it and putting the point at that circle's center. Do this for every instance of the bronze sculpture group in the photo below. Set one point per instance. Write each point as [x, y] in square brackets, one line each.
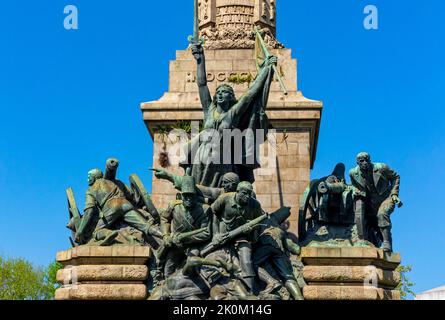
[359, 212]
[215, 241]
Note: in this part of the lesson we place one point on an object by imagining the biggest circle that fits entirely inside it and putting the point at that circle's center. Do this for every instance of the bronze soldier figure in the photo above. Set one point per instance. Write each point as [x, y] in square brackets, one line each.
[109, 202]
[213, 277]
[377, 187]
[233, 210]
[271, 250]
[184, 224]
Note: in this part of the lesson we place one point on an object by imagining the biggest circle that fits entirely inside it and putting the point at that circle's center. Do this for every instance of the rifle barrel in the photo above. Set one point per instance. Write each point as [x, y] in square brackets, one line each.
[191, 233]
[233, 234]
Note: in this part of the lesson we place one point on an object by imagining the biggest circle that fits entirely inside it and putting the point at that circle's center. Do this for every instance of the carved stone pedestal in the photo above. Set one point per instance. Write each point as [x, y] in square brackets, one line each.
[350, 274]
[103, 273]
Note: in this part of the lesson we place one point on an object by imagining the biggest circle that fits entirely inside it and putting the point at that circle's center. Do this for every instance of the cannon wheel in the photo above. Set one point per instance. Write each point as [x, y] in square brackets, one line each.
[308, 208]
[141, 194]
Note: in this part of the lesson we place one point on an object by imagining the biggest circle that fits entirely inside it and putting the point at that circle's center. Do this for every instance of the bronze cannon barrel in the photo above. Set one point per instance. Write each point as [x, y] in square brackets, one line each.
[111, 169]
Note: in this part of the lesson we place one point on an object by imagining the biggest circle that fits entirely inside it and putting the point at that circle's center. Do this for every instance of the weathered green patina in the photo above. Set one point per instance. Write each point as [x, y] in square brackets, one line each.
[114, 213]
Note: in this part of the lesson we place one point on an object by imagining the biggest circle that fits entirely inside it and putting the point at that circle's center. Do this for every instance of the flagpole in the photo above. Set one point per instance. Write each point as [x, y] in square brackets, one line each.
[267, 54]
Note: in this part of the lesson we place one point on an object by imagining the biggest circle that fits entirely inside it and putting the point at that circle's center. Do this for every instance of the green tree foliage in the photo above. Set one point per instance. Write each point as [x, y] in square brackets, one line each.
[405, 285]
[21, 280]
[51, 284]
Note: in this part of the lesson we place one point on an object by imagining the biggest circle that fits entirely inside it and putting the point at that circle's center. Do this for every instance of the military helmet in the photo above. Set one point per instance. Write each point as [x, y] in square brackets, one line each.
[188, 185]
[231, 177]
[244, 185]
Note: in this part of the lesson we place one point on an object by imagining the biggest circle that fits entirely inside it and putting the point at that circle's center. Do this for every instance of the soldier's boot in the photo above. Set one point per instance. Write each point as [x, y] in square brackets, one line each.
[272, 283]
[147, 228]
[240, 290]
[158, 277]
[271, 287]
[71, 225]
[250, 283]
[387, 239]
[109, 238]
[134, 219]
[150, 231]
[294, 289]
[359, 219]
[154, 231]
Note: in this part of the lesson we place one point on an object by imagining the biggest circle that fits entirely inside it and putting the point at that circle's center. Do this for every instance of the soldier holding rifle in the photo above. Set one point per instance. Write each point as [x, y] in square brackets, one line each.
[234, 211]
[184, 224]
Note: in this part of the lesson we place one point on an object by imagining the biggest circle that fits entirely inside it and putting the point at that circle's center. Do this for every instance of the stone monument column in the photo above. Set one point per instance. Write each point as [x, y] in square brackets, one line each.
[227, 27]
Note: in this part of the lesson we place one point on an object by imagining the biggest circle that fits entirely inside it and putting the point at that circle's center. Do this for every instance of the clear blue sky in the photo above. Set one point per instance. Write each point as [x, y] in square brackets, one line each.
[70, 99]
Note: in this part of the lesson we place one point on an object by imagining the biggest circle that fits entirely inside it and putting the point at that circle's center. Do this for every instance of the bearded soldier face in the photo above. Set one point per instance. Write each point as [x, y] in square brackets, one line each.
[93, 175]
[228, 186]
[90, 179]
[188, 200]
[364, 163]
[244, 196]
